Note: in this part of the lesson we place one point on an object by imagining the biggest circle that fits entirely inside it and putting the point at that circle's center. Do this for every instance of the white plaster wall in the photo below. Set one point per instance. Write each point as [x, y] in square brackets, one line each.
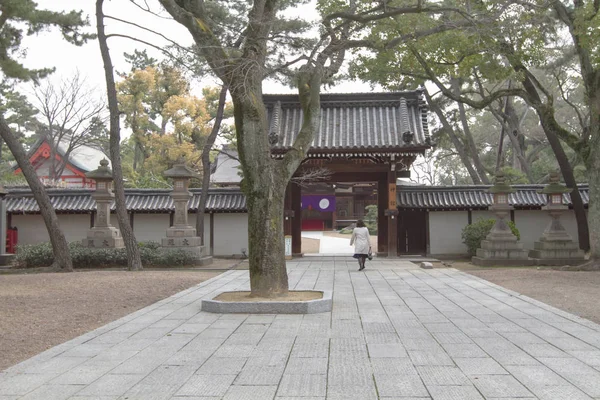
[532, 223]
[231, 234]
[74, 226]
[149, 227]
[32, 229]
[445, 229]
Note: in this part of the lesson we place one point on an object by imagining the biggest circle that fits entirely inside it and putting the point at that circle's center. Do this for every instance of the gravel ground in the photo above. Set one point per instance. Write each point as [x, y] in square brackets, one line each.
[42, 310]
[577, 292]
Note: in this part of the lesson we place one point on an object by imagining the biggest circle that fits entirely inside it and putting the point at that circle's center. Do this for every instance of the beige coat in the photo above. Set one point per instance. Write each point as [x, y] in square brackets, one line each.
[361, 240]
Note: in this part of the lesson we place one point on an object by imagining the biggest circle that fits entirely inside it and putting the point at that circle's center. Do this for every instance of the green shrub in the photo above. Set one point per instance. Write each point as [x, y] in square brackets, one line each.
[473, 234]
[40, 255]
[34, 255]
[371, 219]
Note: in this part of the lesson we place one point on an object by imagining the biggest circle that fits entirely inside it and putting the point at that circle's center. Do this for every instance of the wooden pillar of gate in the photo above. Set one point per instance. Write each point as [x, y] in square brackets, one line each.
[382, 220]
[392, 213]
[296, 202]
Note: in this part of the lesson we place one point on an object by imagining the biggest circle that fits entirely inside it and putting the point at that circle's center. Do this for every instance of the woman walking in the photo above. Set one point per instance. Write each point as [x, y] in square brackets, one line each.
[362, 243]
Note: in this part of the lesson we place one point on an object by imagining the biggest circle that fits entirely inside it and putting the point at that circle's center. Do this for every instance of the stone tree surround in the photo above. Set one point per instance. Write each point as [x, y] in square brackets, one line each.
[103, 234]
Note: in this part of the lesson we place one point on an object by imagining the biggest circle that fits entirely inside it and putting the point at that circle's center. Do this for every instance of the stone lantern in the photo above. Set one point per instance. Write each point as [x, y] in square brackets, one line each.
[556, 247]
[501, 246]
[103, 234]
[182, 235]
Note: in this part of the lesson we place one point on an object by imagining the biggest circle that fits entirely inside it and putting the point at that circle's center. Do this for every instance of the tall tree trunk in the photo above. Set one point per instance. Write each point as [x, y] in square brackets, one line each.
[210, 140]
[551, 128]
[134, 261]
[473, 152]
[60, 247]
[268, 275]
[460, 148]
[593, 168]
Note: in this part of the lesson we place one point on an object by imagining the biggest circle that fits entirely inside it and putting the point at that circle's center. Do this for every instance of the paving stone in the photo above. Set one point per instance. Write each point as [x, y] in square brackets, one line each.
[349, 373]
[268, 357]
[20, 384]
[454, 393]
[238, 350]
[470, 350]
[259, 319]
[55, 365]
[441, 327]
[536, 375]
[222, 366]
[161, 384]
[570, 343]
[260, 375]
[54, 392]
[378, 327]
[299, 398]
[250, 393]
[479, 366]
[389, 350]
[399, 366]
[452, 338]
[307, 366]
[111, 385]
[351, 392]
[85, 373]
[500, 386]
[400, 386]
[421, 344]
[442, 375]
[190, 328]
[380, 338]
[560, 392]
[543, 350]
[86, 350]
[302, 385]
[591, 358]
[419, 357]
[206, 385]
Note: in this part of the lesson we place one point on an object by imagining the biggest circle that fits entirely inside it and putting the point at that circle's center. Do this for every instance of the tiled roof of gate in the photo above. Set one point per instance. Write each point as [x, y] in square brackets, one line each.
[474, 197]
[137, 200]
[354, 122]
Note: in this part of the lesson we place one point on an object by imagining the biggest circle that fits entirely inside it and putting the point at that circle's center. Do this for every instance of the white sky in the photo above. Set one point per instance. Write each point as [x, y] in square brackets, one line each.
[49, 49]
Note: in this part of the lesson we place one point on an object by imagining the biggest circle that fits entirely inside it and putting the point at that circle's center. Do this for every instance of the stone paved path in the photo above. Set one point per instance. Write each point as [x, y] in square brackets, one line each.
[396, 332]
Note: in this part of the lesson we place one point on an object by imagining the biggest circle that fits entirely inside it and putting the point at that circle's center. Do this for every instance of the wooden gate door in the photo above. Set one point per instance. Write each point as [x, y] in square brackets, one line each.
[412, 232]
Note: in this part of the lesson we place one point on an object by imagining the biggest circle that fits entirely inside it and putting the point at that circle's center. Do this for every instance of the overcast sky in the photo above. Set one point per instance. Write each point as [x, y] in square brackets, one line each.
[50, 50]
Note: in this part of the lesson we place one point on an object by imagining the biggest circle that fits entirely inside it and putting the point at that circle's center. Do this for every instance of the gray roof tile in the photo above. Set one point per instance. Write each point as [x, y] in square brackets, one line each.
[137, 200]
[354, 122]
[476, 197]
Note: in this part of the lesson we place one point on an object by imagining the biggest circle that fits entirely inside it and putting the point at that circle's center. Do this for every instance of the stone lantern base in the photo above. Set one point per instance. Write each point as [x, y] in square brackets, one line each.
[507, 251]
[184, 238]
[106, 237]
[557, 252]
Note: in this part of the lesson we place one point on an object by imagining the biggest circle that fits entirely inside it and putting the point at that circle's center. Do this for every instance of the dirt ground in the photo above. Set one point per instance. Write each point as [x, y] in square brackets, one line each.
[577, 292]
[42, 310]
